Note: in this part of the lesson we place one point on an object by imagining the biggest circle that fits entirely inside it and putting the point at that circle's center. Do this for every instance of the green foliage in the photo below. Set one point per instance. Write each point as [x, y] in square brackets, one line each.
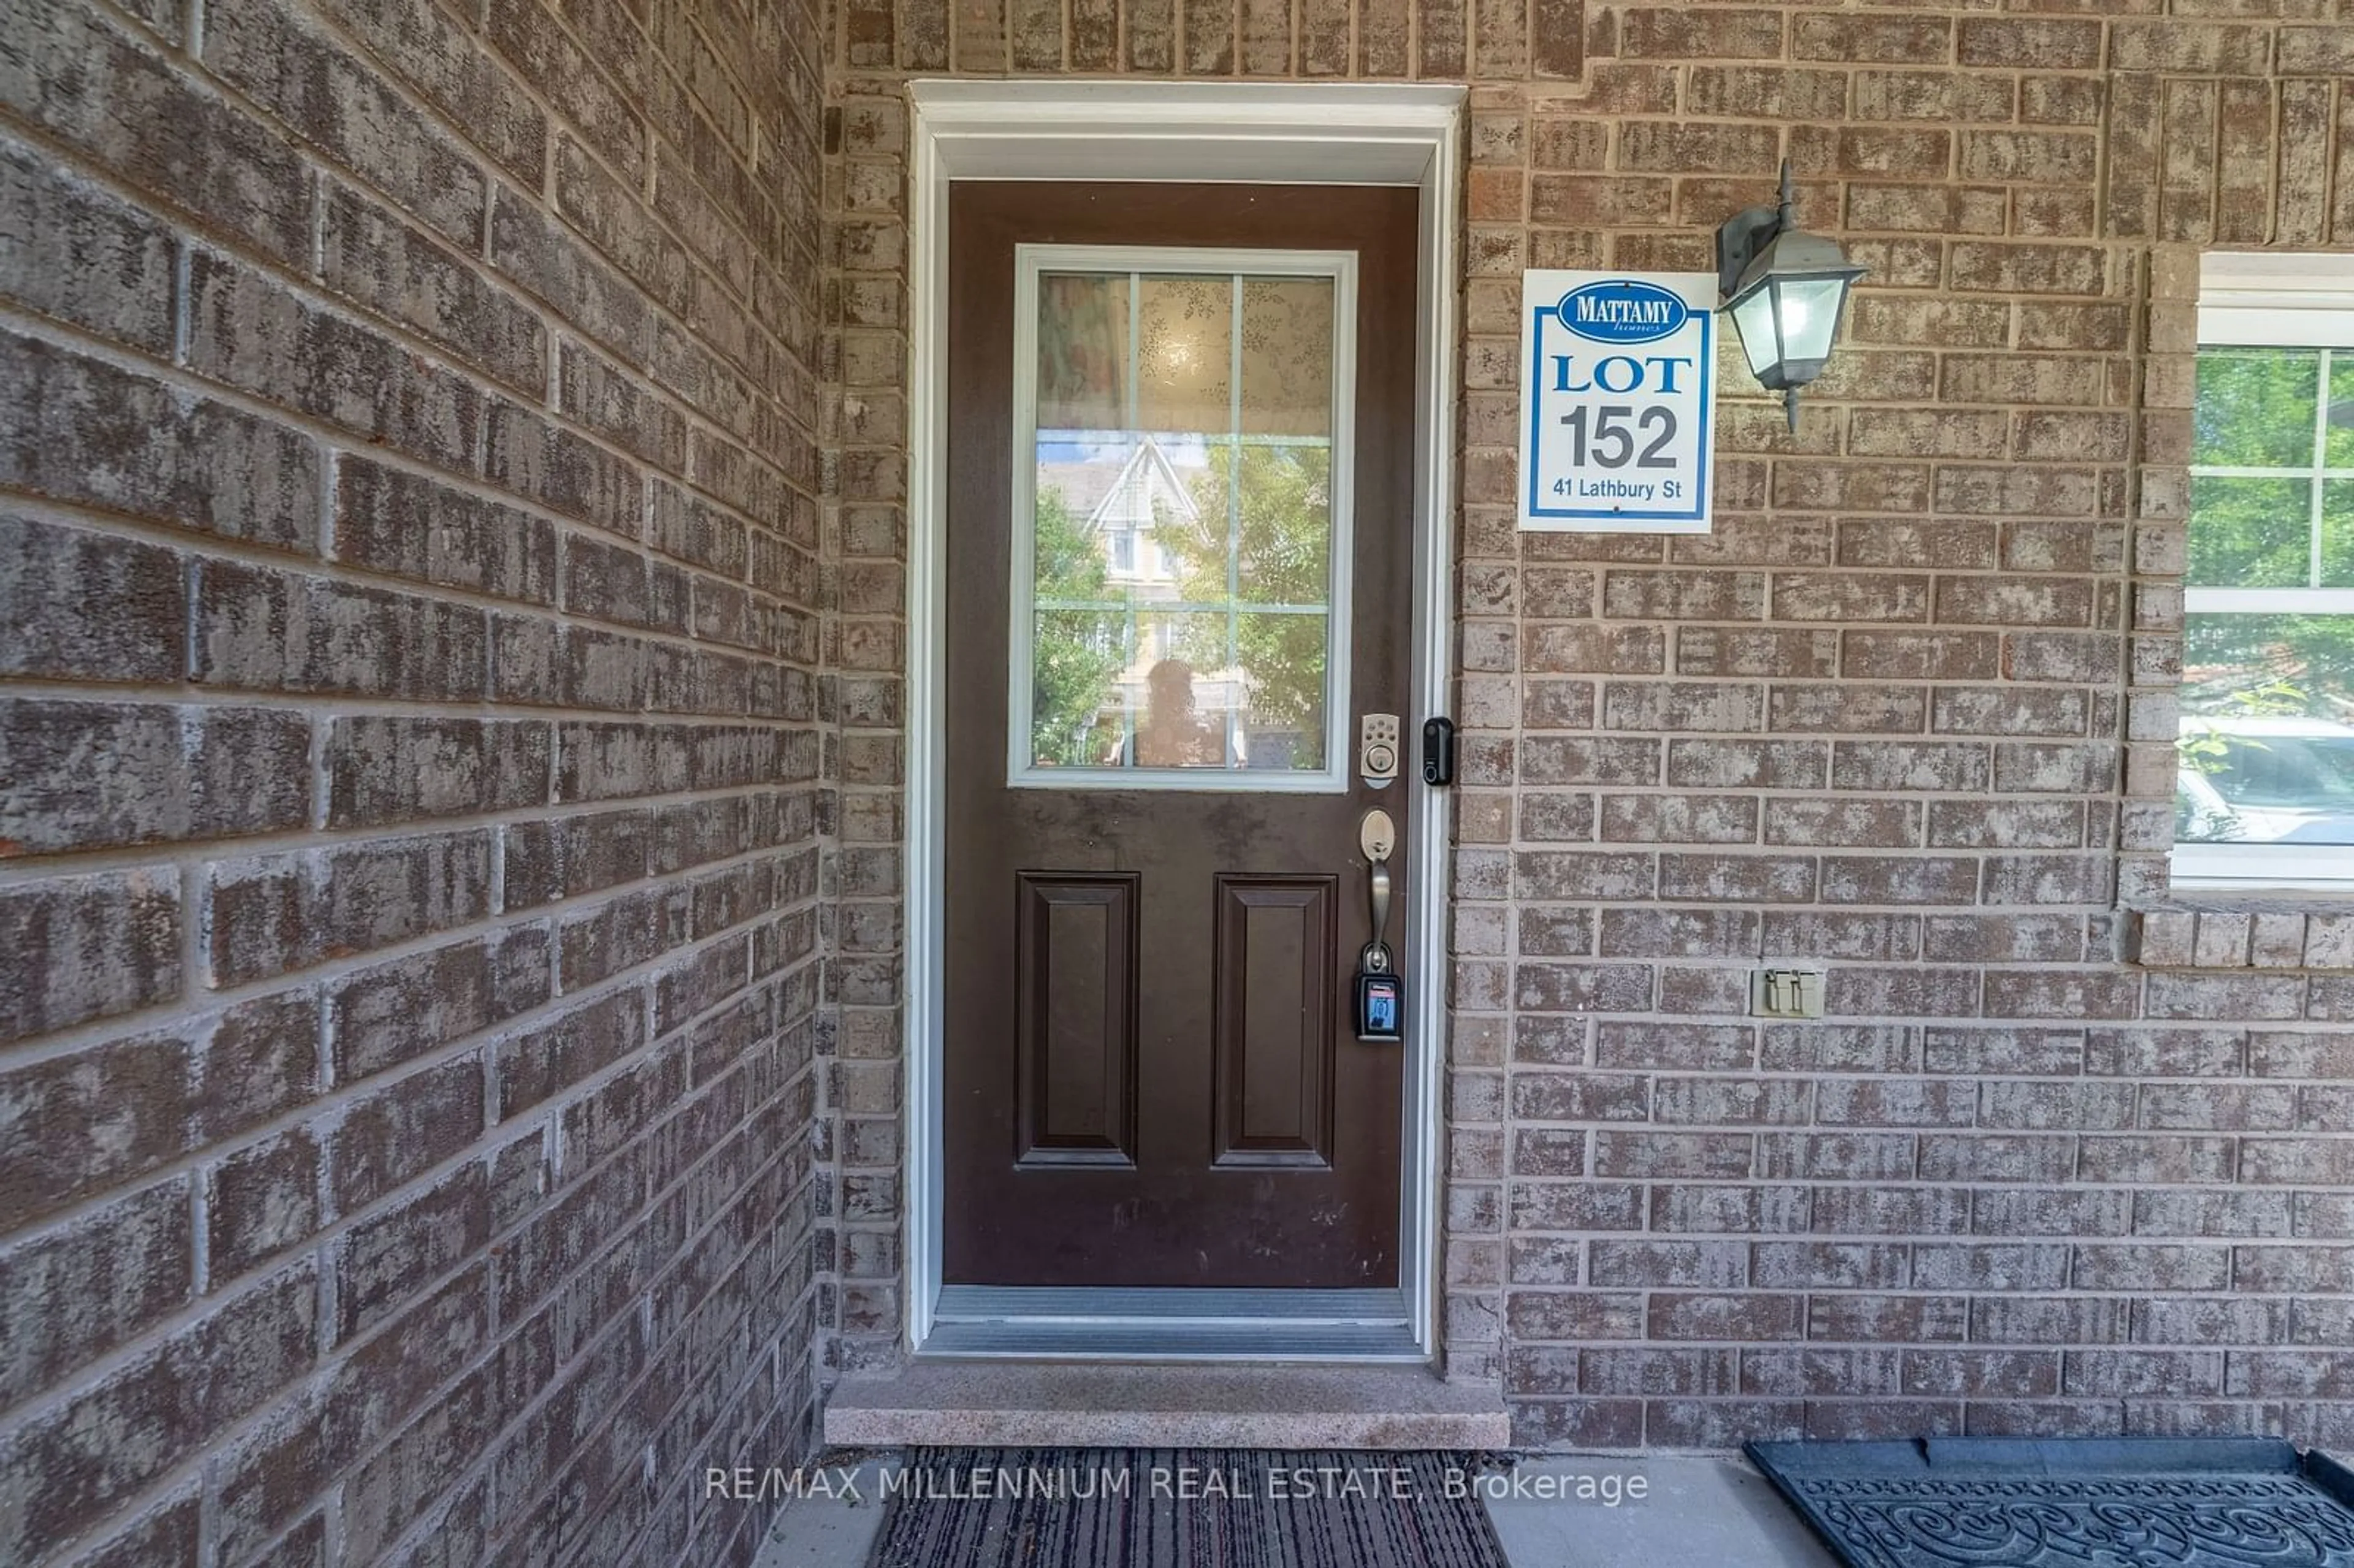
[2204, 747]
[1279, 499]
[2251, 533]
[2256, 409]
[1075, 653]
[2204, 744]
[2242, 667]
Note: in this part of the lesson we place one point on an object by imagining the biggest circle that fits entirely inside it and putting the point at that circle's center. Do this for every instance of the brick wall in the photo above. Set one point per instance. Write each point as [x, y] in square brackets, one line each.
[866, 430]
[1905, 710]
[411, 736]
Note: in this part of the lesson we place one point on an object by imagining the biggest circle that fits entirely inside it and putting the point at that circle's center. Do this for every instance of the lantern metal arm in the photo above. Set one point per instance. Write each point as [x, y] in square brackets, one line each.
[1762, 250]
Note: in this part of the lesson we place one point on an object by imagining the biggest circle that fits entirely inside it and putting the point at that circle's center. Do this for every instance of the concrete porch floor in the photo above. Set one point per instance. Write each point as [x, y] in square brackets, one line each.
[1695, 1510]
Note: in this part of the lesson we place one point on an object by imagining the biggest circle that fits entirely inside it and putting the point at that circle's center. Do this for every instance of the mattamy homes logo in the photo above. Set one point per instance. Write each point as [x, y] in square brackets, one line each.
[1624, 312]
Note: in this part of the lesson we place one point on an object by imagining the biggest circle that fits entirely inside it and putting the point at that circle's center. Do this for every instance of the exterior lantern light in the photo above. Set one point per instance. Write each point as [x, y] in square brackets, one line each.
[1785, 289]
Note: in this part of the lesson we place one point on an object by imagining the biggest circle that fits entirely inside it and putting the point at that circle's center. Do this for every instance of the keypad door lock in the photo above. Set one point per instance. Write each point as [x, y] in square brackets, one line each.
[1377, 748]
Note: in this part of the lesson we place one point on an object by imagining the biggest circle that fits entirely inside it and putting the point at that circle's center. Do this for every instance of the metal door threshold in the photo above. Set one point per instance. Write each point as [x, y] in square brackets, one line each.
[1171, 1325]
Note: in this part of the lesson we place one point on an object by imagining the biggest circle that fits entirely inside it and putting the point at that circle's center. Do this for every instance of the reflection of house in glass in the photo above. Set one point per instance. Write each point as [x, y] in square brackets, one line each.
[1181, 611]
[1110, 486]
[1133, 498]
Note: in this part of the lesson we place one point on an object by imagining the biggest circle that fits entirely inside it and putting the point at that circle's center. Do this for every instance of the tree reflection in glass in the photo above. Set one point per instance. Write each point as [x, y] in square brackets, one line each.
[2266, 740]
[1180, 604]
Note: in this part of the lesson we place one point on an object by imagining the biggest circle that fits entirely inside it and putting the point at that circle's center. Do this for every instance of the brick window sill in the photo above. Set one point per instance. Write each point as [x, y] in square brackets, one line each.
[2245, 931]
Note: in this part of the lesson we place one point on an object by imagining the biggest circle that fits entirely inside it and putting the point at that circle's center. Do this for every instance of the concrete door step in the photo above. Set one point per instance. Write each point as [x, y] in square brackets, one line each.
[1046, 1403]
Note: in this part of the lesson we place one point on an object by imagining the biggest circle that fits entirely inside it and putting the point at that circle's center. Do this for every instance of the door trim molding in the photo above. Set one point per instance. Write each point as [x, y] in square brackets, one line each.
[1273, 133]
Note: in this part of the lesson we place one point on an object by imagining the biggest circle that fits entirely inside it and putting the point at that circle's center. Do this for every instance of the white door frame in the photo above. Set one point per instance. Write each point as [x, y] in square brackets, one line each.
[1301, 133]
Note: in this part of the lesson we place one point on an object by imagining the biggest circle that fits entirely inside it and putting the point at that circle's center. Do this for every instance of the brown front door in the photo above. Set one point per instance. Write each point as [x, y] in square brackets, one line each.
[1179, 571]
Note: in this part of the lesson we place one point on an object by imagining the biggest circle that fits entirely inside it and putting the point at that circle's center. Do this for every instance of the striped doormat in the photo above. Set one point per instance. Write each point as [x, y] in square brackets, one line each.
[1183, 1507]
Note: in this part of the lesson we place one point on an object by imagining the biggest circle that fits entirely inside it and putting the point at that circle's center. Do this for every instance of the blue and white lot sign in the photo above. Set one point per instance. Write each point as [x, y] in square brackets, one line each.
[1616, 434]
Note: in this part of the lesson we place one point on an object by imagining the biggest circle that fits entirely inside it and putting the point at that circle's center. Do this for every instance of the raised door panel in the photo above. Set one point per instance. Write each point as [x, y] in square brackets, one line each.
[1275, 986]
[1075, 1017]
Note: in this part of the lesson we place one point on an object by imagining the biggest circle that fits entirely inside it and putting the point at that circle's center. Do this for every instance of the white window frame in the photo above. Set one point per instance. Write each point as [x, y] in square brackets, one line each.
[2255, 300]
[1340, 267]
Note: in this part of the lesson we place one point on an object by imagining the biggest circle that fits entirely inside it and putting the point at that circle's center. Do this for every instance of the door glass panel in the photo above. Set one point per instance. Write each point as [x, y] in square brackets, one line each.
[1083, 363]
[1185, 360]
[1180, 575]
[1287, 357]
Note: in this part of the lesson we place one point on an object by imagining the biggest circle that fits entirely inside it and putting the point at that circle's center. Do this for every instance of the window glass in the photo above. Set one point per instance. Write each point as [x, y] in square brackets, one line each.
[2251, 533]
[1181, 600]
[2265, 781]
[2338, 533]
[1184, 365]
[1083, 361]
[2266, 745]
[2339, 418]
[2255, 407]
[1287, 356]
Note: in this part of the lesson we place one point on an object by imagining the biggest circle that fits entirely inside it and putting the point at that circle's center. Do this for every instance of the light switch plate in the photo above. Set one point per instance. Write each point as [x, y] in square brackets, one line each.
[1786, 990]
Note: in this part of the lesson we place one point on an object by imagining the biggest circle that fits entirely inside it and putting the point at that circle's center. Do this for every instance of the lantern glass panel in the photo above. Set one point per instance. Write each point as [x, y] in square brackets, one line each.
[1808, 311]
[1753, 318]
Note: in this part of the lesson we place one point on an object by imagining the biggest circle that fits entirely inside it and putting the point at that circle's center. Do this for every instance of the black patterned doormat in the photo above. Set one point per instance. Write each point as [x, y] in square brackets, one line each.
[2124, 1502]
[1184, 1507]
